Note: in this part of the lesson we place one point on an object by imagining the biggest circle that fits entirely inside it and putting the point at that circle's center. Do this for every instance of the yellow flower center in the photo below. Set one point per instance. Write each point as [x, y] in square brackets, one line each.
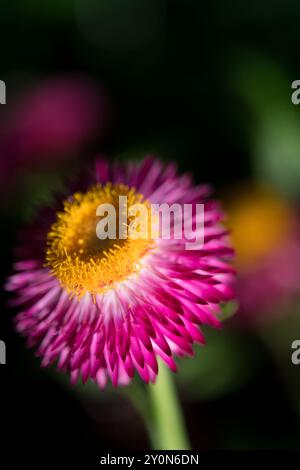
[260, 222]
[80, 260]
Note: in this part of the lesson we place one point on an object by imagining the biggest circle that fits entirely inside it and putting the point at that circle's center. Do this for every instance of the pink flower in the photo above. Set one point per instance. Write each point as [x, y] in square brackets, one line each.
[266, 236]
[51, 122]
[106, 311]
[268, 289]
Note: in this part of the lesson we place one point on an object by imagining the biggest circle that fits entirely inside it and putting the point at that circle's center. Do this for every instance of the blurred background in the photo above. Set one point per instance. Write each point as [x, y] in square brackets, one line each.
[207, 84]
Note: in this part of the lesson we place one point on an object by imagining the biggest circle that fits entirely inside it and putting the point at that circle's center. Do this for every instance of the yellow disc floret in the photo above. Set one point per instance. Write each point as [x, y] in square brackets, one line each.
[79, 259]
[260, 221]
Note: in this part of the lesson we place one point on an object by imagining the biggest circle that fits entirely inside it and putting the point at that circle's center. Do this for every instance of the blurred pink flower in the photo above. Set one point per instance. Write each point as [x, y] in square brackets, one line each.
[51, 122]
[267, 290]
[266, 236]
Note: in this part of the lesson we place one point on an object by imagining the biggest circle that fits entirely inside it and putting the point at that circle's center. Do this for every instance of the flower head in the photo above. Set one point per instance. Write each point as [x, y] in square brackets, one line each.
[266, 234]
[51, 121]
[104, 308]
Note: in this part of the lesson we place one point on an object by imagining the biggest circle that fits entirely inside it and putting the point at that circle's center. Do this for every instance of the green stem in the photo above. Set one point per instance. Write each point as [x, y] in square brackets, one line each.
[167, 429]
